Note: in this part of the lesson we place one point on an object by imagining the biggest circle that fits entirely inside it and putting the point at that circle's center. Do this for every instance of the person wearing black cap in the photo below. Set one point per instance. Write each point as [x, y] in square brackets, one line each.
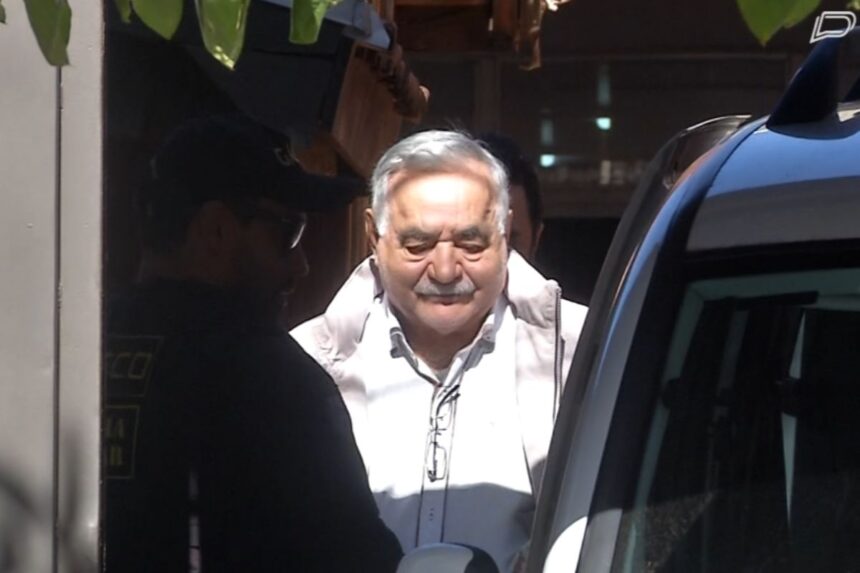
[226, 447]
[225, 203]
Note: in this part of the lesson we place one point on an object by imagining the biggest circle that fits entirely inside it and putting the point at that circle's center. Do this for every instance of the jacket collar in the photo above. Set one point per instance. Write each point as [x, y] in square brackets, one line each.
[533, 297]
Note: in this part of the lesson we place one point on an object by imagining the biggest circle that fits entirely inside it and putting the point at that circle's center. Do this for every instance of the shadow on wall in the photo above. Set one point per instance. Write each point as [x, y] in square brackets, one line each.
[27, 523]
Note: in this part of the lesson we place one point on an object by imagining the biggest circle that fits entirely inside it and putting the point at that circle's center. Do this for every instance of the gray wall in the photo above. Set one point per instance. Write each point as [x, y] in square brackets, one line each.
[50, 262]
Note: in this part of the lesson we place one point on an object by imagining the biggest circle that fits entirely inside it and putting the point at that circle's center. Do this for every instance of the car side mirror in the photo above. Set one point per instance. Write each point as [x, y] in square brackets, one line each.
[447, 558]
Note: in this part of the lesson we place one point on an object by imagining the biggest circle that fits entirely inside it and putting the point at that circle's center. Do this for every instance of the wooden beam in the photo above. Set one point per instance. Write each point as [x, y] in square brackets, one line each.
[444, 28]
[366, 122]
[505, 21]
[487, 94]
[442, 3]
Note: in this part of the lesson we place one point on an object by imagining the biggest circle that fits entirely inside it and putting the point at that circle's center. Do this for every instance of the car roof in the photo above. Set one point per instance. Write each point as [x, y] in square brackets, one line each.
[794, 178]
[791, 184]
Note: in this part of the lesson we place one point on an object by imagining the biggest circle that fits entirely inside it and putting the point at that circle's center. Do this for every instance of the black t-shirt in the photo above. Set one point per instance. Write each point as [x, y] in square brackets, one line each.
[216, 418]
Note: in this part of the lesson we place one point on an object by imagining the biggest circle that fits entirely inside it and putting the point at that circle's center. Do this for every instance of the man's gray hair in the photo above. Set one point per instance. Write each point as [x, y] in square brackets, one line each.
[437, 151]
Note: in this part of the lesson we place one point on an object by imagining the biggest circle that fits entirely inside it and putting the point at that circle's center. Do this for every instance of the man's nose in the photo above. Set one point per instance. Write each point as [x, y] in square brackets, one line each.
[297, 263]
[444, 265]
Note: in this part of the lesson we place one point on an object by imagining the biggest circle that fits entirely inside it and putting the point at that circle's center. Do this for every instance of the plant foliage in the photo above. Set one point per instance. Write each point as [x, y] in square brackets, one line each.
[222, 23]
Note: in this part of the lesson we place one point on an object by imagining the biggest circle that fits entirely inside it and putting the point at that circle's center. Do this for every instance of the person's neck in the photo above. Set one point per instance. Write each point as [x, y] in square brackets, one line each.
[438, 350]
[175, 268]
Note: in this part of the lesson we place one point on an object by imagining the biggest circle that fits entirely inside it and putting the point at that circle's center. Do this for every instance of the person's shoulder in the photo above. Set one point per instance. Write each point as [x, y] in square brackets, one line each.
[274, 349]
[265, 354]
[333, 335]
[312, 336]
[572, 317]
[573, 308]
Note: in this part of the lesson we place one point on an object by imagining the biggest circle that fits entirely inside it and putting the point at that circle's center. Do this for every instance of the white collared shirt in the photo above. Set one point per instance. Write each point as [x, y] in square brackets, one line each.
[445, 457]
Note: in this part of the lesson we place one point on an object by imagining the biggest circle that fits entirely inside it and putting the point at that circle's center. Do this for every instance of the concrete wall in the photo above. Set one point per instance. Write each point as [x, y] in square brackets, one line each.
[50, 263]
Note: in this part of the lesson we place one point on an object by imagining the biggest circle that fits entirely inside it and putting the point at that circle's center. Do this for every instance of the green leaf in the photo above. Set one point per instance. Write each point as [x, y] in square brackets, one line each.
[51, 21]
[161, 16]
[765, 18]
[2, 14]
[222, 25]
[306, 19]
[799, 12]
[124, 7]
[854, 5]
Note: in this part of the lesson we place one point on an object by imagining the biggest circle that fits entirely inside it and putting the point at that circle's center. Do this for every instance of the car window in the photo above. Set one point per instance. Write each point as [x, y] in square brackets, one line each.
[752, 458]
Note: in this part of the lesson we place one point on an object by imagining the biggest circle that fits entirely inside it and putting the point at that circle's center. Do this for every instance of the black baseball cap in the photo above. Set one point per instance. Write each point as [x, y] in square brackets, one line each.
[232, 158]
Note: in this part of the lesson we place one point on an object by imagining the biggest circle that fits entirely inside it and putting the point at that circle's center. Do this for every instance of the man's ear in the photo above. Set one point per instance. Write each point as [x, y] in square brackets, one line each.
[215, 229]
[371, 230]
[509, 221]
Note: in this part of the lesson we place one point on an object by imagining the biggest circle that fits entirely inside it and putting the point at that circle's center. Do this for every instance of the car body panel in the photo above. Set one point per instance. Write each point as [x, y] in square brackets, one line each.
[805, 191]
[790, 184]
[599, 364]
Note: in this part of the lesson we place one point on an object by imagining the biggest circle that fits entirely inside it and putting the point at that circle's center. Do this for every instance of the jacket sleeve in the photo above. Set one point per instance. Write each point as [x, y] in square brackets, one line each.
[284, 486]
[572, 319]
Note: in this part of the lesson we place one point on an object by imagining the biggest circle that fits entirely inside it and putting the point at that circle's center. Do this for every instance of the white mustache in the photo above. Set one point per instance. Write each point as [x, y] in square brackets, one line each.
[427, 287]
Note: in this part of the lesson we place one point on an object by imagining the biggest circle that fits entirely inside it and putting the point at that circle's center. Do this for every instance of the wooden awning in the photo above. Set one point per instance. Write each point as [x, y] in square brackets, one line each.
[471, 25]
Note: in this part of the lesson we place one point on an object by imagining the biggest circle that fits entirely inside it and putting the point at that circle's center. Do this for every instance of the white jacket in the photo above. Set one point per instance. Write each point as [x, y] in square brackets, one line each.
[547, 330]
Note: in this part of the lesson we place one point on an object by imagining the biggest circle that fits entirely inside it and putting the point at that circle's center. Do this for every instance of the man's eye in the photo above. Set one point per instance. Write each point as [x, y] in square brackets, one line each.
[473, 248]
[417, 248]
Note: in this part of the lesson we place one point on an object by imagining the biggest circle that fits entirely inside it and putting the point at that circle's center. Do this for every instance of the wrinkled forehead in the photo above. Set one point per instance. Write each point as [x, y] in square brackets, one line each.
[442, 201]
[468, 168]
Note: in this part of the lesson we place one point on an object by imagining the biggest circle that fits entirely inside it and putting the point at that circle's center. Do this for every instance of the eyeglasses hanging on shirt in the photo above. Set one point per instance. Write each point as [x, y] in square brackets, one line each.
[441, 424]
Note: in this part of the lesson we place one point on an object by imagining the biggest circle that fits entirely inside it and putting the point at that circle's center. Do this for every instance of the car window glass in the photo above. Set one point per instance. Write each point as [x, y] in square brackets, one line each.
[752, 461]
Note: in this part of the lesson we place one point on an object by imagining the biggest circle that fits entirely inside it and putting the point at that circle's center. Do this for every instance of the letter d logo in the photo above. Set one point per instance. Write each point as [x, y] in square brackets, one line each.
[844, 22]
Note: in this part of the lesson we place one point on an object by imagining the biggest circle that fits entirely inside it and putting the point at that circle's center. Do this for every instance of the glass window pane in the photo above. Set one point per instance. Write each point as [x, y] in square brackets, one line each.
[752, 461]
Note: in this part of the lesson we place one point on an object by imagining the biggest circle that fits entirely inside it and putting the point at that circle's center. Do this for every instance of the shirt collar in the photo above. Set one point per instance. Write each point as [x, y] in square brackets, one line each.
[486, 336]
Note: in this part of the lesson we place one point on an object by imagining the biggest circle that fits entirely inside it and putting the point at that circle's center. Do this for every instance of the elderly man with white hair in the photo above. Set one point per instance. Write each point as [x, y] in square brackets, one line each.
[450, 351]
